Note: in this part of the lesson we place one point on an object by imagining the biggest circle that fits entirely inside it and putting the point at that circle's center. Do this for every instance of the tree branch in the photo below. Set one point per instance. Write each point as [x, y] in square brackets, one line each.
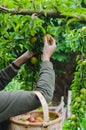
[50, 13]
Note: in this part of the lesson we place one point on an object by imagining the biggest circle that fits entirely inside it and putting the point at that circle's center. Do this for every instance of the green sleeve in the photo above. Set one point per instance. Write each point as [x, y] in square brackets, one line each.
[6, 76]
[15, 103]
[46, 81]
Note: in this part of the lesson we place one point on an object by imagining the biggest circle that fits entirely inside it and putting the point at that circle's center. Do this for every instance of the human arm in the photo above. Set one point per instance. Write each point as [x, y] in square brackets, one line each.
[15, 103]
[8, 73]
[47, 74]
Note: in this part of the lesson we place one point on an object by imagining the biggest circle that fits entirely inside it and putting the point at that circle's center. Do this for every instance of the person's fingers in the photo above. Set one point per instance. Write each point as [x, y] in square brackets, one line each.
[52, 40]
[48, 37]
[45, 40]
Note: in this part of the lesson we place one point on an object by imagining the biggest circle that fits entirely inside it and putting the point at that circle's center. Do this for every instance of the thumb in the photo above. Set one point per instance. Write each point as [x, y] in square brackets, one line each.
[45, 40]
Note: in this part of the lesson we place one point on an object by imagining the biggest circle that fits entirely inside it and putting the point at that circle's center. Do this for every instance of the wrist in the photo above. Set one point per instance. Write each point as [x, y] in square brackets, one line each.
[45, 58]
[15, 66]
[23, 58]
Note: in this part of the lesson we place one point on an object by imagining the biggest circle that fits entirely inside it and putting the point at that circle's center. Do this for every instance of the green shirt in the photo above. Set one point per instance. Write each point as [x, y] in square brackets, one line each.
[15, 103]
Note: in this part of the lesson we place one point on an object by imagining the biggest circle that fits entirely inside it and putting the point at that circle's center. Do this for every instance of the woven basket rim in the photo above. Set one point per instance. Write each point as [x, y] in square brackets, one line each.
[40, 124]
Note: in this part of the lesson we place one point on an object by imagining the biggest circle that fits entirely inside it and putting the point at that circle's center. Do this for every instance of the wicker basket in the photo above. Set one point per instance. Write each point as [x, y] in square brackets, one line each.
[46, 124]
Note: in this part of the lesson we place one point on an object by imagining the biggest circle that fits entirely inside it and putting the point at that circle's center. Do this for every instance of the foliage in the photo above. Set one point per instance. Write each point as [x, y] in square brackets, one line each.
[84, 124]
[20, 33]
[14, 85]
[73, 8]
[76, 40]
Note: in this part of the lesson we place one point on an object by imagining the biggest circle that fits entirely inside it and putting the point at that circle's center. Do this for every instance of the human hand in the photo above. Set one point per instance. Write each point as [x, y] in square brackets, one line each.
[21, 60]
[28, 54]
[49, 48]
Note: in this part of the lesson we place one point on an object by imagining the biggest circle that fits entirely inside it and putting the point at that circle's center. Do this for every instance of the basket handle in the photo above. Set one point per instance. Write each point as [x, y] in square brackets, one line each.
[44, 105]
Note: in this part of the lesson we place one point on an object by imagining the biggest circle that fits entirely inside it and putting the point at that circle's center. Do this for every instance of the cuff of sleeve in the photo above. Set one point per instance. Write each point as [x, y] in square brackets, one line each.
[10, 72]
